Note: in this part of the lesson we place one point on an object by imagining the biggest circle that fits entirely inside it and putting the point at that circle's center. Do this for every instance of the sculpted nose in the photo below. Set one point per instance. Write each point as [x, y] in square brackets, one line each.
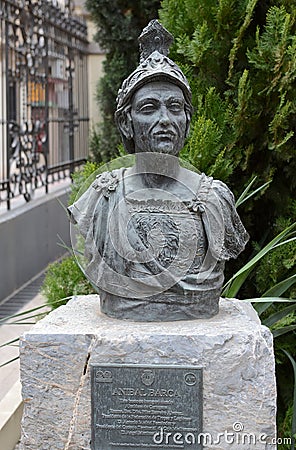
[164, 117]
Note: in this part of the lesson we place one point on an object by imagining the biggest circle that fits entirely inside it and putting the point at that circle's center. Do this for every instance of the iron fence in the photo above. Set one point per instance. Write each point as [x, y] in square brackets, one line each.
[43, 95]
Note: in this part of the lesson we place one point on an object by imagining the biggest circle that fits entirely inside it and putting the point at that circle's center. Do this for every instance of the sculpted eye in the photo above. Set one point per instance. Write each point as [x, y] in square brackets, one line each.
[176, 106]
[147, 108]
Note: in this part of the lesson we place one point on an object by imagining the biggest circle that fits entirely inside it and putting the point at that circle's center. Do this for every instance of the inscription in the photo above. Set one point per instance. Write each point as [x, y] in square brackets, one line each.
[144, 407]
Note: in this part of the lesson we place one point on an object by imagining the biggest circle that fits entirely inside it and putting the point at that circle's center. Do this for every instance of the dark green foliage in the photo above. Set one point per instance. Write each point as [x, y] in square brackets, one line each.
[80, 177]
[240, 58]
[211, 135]
[285, 428]
[119, 23]
[278, 264]
[63, 280]
[95, 146]
[285, 381]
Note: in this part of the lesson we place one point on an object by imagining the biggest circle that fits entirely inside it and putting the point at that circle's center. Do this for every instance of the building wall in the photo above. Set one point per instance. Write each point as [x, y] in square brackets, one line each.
[29, 237]
[95, 62]
[95, 72]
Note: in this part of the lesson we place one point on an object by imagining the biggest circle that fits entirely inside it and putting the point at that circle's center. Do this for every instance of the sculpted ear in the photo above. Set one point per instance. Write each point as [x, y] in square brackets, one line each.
[188, 112]
[125, 124]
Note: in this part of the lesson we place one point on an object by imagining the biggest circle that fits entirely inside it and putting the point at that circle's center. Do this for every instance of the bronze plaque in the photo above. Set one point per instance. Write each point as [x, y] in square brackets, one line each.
[144, 407]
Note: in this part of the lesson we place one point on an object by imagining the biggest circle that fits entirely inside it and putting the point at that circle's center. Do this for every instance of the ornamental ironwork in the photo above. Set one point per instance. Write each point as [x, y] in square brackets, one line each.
[43, 106]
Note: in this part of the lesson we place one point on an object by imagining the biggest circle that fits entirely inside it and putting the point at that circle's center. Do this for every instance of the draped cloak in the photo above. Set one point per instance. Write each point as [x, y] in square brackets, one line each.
[185, 280]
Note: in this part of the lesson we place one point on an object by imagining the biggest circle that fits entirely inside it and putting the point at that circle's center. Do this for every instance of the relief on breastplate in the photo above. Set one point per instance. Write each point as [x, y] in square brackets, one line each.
[167, 232]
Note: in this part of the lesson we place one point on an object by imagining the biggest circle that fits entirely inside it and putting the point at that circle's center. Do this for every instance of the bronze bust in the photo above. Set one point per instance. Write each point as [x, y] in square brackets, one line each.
[156, 235]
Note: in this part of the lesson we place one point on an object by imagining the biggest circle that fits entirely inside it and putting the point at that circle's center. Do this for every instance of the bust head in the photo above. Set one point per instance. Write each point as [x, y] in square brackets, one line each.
[157, 119]
[153, 89]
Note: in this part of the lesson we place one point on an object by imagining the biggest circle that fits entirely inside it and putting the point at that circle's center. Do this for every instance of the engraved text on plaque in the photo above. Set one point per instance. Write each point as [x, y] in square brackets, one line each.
[146, 407]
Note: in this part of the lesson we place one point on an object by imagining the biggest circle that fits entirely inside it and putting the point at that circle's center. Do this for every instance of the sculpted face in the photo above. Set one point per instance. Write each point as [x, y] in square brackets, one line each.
[158, 118]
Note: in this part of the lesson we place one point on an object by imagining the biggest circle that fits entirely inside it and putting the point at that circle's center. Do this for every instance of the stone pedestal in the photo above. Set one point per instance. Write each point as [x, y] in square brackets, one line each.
[233, 348]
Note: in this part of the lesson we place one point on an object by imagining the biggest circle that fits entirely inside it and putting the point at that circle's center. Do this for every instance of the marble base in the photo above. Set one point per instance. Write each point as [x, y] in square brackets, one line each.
[233, 348]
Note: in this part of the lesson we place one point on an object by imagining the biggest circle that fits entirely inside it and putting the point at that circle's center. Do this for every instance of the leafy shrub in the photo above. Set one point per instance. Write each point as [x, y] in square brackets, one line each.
[80, 177]
[63, 280]
[240, 60]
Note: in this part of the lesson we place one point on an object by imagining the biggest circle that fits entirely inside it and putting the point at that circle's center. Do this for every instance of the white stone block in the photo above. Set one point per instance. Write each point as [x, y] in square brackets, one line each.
[233, 348]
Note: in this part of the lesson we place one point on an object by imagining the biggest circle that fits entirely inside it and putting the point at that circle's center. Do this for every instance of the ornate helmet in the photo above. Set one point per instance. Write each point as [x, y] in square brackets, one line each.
[154, 65]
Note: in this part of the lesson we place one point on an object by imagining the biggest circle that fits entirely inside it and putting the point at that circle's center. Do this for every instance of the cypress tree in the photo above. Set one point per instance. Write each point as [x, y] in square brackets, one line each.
[240, 58]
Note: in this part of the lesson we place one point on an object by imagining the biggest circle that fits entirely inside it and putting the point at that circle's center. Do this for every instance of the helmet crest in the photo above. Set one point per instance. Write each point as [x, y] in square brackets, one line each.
[154, 65]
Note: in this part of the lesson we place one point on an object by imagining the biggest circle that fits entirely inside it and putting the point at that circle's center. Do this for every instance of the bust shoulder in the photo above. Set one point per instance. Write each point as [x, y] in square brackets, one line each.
[223, 192]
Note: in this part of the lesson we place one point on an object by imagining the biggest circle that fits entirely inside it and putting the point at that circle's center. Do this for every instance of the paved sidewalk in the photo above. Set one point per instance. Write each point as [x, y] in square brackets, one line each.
[9, 374]
[10, 386]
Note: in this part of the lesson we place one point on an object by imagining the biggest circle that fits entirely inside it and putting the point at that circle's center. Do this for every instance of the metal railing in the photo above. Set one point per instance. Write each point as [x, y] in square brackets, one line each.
[43, 95]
